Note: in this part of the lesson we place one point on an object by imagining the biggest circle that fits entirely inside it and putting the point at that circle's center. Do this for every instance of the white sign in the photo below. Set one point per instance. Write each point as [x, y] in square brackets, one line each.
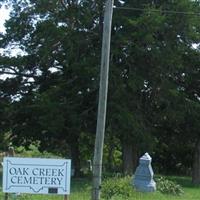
[36, 175]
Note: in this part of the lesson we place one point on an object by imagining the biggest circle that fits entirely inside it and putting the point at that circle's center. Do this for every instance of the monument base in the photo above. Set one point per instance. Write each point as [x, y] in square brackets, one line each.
[145, 187]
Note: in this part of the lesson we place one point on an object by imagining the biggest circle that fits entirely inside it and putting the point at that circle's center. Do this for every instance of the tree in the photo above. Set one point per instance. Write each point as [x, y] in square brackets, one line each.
[150, 59]
[57, 75]
[154, 94]
[4, 118]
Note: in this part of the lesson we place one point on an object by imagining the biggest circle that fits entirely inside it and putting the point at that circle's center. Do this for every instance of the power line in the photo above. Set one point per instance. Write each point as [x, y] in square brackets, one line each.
[156, 10]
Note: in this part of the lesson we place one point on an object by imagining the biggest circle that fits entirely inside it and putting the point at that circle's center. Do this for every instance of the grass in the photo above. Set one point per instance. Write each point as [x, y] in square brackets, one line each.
[81, 190]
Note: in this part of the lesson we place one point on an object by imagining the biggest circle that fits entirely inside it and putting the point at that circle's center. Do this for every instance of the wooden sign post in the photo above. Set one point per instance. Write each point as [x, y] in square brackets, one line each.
[10, 153]
[66, 197]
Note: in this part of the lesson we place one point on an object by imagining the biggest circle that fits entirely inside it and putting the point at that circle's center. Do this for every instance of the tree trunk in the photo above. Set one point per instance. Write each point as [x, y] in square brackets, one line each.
[110, 156]
[76, 163]
[196, 164]
[129, 157]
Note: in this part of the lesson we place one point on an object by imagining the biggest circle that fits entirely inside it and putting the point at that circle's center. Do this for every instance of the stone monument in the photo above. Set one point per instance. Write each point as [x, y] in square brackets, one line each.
[143, 179]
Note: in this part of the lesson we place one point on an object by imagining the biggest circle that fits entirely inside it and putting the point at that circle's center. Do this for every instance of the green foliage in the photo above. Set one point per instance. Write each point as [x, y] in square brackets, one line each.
[166, 186]
[117, 187]
[33, 151]
[154, 78]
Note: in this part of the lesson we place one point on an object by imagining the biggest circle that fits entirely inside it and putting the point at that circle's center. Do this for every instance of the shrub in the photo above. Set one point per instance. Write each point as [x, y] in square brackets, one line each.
[116, 186]
[33, 152]
[166, 186]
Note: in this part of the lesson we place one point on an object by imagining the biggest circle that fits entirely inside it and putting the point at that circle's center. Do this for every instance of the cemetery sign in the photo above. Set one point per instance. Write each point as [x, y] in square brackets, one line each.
[36, 175]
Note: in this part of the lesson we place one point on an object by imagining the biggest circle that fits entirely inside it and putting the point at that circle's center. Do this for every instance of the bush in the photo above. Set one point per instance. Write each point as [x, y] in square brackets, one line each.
[33, 152]
[168, 187]
[116, 186]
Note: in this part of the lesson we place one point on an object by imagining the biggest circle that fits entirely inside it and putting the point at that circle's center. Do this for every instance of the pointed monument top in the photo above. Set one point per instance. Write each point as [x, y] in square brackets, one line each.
[146, 156]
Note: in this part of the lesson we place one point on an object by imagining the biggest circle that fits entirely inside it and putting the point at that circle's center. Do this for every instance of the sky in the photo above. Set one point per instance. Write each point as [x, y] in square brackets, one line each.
[4, 14]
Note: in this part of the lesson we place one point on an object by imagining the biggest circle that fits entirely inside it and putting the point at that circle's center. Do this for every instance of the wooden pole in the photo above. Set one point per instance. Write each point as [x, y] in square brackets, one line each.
[6, 196]
[66, 197]
[101, 118]
[10, 153]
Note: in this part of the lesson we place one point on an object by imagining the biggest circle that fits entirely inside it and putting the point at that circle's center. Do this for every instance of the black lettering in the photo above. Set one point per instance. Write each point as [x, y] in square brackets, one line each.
[30, 180]
[47, 181]
[53, 181]
[60, 172]
[20, 171]
[54, 172]
[19, 180]
[35, 180]
[41, 180]
[13, 179]
[35, 171]
[42, 172]
[13, 171]
[26, 180]
[48, 172]
[25, 171]
[59, 180]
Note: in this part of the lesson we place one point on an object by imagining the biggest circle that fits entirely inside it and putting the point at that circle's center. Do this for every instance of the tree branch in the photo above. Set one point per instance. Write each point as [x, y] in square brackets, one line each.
[9, 67]
[18, 74]
[63, 4]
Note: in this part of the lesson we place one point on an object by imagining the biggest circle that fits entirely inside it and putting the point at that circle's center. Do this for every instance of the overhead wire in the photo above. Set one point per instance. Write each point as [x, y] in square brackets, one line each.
[158, 10]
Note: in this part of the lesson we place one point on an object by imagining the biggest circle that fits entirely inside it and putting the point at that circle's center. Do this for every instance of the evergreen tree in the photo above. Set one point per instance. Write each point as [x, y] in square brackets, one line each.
[154, 78]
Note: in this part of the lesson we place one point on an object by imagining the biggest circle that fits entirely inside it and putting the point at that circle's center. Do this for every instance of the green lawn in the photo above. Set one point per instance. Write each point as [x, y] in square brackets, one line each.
[81, 189]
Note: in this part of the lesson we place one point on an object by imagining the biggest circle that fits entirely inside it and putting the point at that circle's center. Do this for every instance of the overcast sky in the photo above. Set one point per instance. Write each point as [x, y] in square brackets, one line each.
[4, 14]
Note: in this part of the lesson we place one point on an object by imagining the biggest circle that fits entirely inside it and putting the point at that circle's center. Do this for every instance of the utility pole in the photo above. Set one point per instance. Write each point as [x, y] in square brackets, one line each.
[103, 90]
